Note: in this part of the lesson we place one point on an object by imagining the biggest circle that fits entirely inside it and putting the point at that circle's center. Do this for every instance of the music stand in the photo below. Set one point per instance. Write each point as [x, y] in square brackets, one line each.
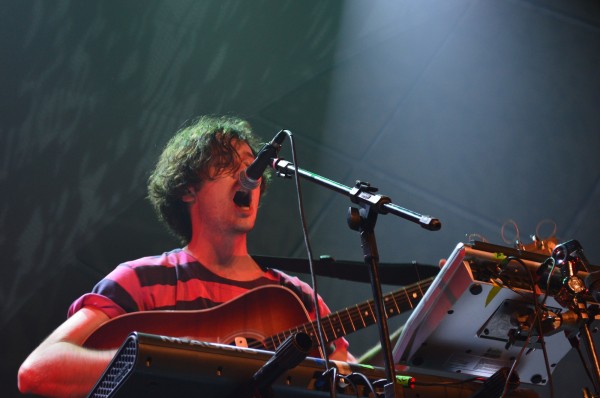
[462, 324]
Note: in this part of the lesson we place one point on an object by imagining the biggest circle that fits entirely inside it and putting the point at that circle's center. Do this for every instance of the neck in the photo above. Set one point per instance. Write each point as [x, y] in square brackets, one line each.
[225, 256]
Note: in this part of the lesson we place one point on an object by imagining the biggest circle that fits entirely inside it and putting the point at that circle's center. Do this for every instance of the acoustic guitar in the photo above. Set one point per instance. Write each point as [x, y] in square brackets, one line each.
[262, 318]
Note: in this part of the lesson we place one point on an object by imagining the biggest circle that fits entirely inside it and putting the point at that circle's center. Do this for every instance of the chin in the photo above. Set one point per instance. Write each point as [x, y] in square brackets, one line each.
[244, 228]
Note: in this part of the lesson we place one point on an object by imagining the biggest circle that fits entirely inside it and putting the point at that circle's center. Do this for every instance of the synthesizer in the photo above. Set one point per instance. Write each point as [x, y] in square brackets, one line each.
[148, 365]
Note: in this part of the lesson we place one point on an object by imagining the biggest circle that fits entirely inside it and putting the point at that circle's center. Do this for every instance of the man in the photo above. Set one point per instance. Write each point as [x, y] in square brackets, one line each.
[195, 191]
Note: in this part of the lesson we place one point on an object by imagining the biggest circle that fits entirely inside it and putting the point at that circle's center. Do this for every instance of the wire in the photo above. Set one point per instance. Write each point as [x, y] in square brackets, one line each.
[516, 362]
[581, 358]
[539, 227]
[548, 281]
[538, 310]
[333, 381]
[517, 234]
[530, 333]
[546, 360]
[363, 378]
[320, 336]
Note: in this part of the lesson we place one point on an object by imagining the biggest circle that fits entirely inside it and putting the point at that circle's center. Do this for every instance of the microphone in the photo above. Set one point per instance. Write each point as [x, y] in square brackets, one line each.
[250, 177]
[287, 356]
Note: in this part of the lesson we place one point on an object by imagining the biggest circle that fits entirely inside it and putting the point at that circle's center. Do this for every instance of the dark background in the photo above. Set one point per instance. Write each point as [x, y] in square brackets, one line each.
[476, 112]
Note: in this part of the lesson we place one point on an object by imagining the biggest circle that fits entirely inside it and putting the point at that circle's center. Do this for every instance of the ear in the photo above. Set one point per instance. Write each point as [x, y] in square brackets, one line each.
[190, 196]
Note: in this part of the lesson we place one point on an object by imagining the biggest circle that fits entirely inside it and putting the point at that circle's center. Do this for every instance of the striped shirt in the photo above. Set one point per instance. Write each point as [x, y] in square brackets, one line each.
[175, 280]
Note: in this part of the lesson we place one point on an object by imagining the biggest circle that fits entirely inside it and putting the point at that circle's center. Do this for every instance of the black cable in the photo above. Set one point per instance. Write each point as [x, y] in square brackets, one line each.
[516, 362]
[539, 307]
[507, 284]
[548, 280]
[320, 337]
[351, 382]
[581, 358]
[576, 346]
[546, 361]
[538, 310]
[530, 333]
[364, 379]
[332, 381]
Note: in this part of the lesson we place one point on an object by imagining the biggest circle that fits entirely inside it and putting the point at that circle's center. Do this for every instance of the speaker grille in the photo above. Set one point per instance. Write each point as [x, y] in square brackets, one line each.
[120, 368]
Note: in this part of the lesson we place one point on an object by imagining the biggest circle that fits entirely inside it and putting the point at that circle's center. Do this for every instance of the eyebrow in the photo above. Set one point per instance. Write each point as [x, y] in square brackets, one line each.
[246, 153]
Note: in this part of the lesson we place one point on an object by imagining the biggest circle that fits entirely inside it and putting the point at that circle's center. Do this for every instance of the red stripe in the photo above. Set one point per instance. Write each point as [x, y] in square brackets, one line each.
[170, 259]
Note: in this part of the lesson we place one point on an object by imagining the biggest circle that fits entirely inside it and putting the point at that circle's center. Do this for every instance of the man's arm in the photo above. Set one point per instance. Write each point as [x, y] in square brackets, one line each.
[343, 355]
[60, 366]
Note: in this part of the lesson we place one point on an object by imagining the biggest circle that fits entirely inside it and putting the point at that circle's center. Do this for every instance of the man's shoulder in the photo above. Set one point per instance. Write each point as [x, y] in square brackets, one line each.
[290, 281]
[168, 259]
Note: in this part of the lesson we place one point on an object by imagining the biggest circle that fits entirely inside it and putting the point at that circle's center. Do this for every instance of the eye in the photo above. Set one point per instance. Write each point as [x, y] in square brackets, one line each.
[247, 161]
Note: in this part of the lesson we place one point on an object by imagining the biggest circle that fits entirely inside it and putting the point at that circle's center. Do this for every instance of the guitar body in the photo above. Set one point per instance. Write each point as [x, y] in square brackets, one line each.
[261, 318]
[255, 315]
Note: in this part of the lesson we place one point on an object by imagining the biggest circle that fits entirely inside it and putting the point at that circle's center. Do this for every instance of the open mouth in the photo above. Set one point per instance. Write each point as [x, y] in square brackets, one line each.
[242, 199]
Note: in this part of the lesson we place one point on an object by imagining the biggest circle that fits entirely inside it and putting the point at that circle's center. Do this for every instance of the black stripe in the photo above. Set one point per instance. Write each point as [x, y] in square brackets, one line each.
[116, 293]
[306, 298]
[195, 270]
[156, 274]
[150, 275]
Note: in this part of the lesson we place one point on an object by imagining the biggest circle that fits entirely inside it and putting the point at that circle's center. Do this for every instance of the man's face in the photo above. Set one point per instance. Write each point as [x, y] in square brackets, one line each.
[220, 206]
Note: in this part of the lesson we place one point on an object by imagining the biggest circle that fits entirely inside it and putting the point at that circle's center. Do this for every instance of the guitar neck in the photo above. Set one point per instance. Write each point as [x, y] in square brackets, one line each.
[359, 316]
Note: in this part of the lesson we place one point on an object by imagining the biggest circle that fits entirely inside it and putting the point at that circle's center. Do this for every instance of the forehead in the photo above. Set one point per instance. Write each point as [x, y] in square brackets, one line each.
[242, 148]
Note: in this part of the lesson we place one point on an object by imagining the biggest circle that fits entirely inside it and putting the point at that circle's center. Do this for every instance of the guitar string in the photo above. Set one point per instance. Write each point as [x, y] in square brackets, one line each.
[344, 317]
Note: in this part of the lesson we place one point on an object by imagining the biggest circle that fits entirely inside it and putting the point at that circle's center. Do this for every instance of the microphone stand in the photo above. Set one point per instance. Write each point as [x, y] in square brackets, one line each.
[569, 257]
[363, 220]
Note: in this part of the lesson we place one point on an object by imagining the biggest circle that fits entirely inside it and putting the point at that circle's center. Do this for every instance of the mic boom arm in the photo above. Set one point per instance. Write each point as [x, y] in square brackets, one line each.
[361, 193]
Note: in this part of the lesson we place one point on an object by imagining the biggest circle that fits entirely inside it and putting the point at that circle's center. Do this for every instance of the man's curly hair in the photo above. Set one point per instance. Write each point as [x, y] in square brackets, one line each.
[201, 151]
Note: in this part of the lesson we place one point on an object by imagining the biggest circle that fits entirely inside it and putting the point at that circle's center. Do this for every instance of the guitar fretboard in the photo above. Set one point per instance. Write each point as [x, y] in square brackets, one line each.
[359, 316]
